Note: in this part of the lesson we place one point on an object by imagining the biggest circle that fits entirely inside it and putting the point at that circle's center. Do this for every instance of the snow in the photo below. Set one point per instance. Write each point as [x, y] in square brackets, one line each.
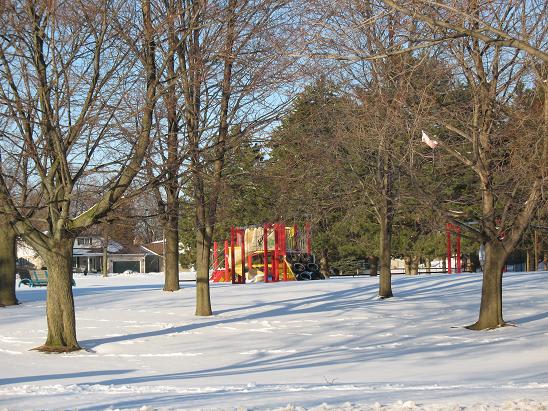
[317, 345]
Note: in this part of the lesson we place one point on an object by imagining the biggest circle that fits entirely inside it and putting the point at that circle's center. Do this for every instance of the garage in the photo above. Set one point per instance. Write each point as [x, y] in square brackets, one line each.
[121, 266]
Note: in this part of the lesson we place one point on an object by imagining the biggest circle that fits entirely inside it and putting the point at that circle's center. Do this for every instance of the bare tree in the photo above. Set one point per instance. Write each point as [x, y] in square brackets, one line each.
[515, 24]
[68, 86]
[166, 154]
[230, 75]
[206, 201]
[365, 42]
[500, 49]
[492, 46]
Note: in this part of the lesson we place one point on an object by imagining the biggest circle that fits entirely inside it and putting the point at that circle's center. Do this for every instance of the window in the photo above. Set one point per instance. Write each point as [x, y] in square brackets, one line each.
[83, 241]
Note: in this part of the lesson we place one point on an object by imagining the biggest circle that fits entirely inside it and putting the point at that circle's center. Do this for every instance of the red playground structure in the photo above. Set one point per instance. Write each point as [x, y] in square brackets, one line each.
[271, 253]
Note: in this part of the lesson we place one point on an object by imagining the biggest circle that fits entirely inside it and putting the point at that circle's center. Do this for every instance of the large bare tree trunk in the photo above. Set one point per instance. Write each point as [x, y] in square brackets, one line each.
[51, 145]
[324, 263]
[385, 247]
[171, 221]
[7, 264]
[60, 301]
[407, 265]
[171, 252]
[206, 203]
[415, 265]
[385, 213]
[203, 249]
[411, 265]
[490, 315]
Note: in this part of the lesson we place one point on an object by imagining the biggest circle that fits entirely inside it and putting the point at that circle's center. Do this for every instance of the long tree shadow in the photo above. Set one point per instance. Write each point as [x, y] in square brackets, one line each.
[433, 288]
[203, 400]
[335, 301]
[39, 294]
[313, 358]
[49, 377]
[31, 296]
[530, 318]
[331, 301]
[350, 300]
[327, 356]
[83, 291]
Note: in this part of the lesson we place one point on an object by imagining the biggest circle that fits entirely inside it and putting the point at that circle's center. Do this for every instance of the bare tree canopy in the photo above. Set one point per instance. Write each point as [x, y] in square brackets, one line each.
[517, 24]
[77, 86]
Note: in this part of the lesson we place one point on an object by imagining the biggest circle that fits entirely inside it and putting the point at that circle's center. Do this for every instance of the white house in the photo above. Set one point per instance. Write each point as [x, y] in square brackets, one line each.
[88, 256]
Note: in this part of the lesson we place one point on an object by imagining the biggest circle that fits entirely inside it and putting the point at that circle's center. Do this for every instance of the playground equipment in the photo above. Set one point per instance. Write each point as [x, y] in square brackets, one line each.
[271, 253]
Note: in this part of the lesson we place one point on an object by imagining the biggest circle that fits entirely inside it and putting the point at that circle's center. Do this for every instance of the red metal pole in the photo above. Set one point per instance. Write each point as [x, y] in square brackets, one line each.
[274, 254]
[226, 261]
[448, 248]
[265, 251]
[242, 237]
[458, 251]
[284, 251]
[279, 247]
[295, 237]
[215, 256]
[232, 255]
[275, 265]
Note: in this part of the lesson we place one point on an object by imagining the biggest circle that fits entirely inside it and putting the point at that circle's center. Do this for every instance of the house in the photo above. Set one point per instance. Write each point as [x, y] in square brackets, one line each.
[88, 253]
[27, 257]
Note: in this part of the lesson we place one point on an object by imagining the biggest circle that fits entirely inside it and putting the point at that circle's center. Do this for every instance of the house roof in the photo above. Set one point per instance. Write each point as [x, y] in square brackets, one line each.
[133, 249]
[114, 248]
[128, 249]
[156, 247]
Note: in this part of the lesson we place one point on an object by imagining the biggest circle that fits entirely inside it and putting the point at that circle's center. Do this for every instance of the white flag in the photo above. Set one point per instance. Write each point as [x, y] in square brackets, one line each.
[428, 141]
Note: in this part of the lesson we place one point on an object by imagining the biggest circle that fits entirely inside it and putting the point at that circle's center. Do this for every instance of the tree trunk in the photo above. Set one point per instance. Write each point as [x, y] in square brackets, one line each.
[171, 221]
[203, 247]
[536, 247]
[414, 267]
[60, 302]
[171, 253]
[324, 263]
[373, 265]
[105, 252]
[428, 265]
[490, 315]
[7, 264]
[385, 281]
[407, 265]
[385, 216]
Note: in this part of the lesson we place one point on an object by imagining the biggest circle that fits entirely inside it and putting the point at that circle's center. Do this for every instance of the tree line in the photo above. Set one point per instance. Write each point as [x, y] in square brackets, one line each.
[240, 111]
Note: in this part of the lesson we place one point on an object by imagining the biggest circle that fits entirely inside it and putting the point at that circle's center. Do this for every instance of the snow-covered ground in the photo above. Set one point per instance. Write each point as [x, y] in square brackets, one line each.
[321, 345]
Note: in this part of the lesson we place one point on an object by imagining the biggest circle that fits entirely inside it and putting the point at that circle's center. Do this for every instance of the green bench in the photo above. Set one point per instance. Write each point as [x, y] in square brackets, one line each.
[36, 278]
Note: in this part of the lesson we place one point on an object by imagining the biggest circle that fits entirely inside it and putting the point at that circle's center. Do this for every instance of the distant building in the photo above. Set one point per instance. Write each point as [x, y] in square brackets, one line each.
[88, 255]
[27, 257]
